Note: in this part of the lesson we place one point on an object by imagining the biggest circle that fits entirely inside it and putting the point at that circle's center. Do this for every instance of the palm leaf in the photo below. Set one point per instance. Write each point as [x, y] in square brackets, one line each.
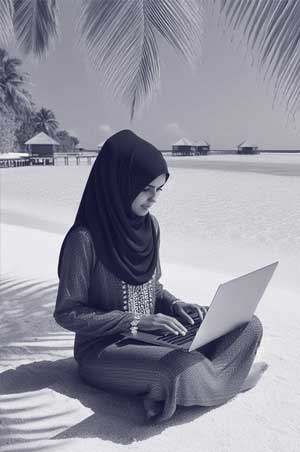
[35, 24]
[272, 29]
[121, 42]
[6, 22]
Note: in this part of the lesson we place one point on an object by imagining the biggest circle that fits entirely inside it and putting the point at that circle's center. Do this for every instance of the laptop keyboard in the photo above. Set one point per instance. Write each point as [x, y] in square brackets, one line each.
[172, 338]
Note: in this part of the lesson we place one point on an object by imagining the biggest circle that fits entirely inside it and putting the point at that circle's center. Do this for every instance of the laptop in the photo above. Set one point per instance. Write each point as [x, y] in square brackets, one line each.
[233, 305]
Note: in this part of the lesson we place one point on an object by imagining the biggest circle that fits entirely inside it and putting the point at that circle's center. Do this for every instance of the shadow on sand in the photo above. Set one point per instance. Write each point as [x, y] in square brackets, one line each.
[115, 417]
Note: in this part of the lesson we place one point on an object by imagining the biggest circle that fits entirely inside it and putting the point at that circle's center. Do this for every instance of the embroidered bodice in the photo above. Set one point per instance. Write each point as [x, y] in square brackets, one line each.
[94, 303]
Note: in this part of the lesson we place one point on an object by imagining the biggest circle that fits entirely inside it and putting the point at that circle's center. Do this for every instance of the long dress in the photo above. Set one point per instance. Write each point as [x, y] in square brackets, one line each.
[97, 306]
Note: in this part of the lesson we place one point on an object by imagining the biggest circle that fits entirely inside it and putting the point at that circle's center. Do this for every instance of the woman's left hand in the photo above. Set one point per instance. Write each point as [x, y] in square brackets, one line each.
[181, 309]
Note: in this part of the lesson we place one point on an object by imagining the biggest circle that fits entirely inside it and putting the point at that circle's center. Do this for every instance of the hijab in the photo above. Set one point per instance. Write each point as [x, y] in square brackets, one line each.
[125, 243]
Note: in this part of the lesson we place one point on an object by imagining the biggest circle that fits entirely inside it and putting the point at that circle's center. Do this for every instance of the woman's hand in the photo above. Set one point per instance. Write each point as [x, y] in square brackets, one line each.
[181, 309]
[159, 321]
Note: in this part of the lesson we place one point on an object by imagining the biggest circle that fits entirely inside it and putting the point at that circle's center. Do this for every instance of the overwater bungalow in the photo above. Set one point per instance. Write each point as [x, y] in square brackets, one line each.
[247, 148]
[41, 148]
[183, 147]
[202, 147]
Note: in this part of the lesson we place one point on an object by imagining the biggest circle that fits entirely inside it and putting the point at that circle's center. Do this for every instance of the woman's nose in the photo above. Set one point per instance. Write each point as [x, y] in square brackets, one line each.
[153, 195]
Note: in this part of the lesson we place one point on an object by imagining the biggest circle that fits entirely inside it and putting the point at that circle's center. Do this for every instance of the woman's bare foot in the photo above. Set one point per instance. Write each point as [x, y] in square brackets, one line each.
[254, 375]
[152, 407]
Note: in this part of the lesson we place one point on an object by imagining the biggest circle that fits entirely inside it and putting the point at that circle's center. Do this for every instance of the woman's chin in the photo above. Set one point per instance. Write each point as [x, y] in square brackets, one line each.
[142, 212]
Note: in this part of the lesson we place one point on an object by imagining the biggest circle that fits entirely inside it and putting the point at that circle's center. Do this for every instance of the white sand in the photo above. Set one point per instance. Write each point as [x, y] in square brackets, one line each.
[232, 223]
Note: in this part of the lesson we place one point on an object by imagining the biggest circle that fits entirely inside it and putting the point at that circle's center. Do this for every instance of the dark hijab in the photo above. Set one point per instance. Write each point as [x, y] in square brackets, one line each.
[125, 243]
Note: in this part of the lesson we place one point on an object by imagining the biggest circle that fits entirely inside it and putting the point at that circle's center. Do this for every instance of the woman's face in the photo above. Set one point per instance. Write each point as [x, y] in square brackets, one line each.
[144, 200]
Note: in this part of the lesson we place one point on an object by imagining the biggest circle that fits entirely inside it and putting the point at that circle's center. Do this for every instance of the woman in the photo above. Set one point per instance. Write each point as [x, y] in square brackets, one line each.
[109, 272]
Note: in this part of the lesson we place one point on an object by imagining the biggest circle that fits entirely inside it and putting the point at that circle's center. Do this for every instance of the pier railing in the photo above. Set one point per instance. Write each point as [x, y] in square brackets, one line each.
[43, 161]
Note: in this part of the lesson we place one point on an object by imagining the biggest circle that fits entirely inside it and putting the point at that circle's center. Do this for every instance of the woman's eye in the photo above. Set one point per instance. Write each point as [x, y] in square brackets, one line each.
[148, 189]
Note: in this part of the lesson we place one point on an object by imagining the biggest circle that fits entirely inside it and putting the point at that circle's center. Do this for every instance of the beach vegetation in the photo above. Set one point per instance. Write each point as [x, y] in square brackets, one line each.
[19, 118]
[25, 129]
[67, 142]
[15, 99]
[45, 121]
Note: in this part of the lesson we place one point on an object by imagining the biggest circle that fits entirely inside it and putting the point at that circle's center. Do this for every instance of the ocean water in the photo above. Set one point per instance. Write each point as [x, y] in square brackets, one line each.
[224, 216]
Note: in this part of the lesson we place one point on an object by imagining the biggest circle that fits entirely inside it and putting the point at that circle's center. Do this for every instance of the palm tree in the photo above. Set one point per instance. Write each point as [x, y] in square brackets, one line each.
[13, 94]
[44, 121]
[121, 37]
[14, 99]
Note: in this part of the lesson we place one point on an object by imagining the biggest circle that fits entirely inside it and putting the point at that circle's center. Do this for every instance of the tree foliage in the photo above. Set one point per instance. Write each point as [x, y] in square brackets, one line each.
[45, 121]
[25, 129]
[272, 31]
[13, 83]
[67, 141]
[120, 37]
[15, 100]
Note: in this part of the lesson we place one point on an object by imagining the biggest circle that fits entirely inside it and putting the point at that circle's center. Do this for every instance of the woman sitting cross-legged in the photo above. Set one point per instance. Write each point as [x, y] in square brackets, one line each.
[109, 272]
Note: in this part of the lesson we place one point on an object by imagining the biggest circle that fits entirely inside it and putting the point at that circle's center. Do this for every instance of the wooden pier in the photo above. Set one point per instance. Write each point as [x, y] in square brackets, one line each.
[66, 160]
[78, 158]
[10, 163]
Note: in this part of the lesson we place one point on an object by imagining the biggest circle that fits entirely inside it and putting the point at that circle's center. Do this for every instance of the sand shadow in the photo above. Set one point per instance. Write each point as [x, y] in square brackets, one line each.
[115, 417]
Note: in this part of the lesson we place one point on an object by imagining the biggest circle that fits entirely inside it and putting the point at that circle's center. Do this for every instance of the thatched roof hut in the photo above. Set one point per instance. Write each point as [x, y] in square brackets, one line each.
[41, 145]
[245, 147]
[186, 147]
[202, 147]
[183, 147]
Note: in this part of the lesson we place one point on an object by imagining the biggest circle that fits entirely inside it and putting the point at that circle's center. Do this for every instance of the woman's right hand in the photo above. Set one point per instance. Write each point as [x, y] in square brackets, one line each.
[159, 321]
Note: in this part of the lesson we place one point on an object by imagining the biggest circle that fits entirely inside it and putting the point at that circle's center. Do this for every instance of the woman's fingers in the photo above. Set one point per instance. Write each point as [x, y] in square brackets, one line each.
[202, 310]
[198, 308]
[182, 329]
[173, 325]
[185, 315]
[169, 328]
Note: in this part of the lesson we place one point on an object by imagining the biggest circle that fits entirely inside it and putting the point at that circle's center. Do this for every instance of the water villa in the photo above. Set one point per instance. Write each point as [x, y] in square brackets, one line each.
[186, 147]
[41, 149]
[202, 147]
[247, 148]
[183, 147]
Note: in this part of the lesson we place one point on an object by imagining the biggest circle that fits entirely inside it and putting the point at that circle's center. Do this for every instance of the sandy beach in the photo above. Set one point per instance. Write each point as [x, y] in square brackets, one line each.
[220, 217]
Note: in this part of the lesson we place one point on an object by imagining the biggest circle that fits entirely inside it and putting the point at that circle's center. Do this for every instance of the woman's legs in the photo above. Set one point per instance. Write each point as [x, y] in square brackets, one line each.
[240, 345]
[129, 367]
[166, 377]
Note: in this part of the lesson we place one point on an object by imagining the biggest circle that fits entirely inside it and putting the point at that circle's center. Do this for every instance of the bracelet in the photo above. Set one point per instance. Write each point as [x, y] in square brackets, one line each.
[134, 324]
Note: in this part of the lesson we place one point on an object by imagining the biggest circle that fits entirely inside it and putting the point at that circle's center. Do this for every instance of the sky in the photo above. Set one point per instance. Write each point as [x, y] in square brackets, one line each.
[223, 101]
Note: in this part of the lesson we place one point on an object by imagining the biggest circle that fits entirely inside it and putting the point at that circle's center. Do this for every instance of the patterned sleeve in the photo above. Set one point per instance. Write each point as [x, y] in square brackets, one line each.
[164, 298]
[72, 311]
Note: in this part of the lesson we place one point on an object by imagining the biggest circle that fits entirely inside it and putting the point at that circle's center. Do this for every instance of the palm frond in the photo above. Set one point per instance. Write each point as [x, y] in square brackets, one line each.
[121, 43]
[180, 22]
[6, 20]
[36, 25]
[21, 102]
[272, 29]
